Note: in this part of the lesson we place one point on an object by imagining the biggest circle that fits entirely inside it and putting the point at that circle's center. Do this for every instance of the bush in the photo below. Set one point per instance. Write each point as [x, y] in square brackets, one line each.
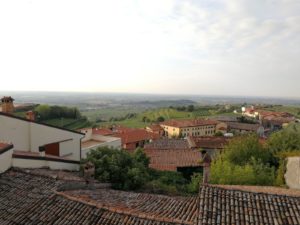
[244, 161]
[196, 180]
[125, 171]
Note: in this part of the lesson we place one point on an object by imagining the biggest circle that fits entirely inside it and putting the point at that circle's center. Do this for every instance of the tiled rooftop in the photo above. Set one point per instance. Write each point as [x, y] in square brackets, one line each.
[243, 126]
[167, 143]
[208, 142]
[5, 146]
[189, 123]
[134, 135]
[172, 159]
[32, 197]
[223, 206]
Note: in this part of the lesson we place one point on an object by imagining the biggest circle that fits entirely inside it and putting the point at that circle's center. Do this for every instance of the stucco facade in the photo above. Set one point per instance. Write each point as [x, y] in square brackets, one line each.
[203, 130]
[29, 136]
[32, 137]
[292, 175]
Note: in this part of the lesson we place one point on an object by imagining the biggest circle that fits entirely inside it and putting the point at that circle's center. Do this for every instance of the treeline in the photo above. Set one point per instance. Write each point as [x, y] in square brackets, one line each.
[121, 118]
[217, 108]
[46, 112]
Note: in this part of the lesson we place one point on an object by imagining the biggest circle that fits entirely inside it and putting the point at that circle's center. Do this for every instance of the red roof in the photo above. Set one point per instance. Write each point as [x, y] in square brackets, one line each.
[5, 146]
[263, 113]
[134, 135]
[155, 127]
[189, 123]
[172, 159]
[102, 131]
[208, 142]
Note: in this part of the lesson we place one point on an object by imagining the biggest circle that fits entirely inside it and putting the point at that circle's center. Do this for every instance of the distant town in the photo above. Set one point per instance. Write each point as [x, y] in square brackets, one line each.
[221, 152]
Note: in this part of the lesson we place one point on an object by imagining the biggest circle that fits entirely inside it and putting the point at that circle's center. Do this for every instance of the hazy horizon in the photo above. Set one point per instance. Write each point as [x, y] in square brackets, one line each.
[235, 48]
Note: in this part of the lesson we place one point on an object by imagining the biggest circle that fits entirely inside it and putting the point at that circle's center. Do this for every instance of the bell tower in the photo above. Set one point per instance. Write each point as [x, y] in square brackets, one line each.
[7, 104]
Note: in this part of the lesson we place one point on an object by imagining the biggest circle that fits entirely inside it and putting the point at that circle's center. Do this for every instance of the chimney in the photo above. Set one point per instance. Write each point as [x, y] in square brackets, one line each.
[206, 161]
[30, 115]
[7, 104]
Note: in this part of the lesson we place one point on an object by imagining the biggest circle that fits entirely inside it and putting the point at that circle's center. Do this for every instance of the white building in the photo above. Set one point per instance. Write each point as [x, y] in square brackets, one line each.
[38, 145]
[94, 141]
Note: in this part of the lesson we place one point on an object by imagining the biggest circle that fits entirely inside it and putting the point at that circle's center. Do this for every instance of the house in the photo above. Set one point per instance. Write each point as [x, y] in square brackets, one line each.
[6, 150]
[184, 128]
[156, 129]
[243, 128]
[178, 154]
[38, 145]
[43, 197]
[172, 155]
[94, 140]
[249, 111]
[211, 145]
[173, 159]
[134, 138]
[103, 131]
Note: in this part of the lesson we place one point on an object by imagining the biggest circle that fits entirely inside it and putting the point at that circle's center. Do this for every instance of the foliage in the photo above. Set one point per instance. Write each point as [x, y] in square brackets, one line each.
[240, 150]
[252, 173]
[160, 119]
[280, 180]
[131, 172]
[123, 170]
[190, 108]
[196, 180]
[243, 119]
[46, 112]
[284, 140]
[219, 134]
[244, 161]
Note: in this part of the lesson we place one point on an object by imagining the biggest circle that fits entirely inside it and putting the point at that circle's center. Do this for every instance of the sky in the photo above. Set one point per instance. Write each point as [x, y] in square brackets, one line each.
[202, 47]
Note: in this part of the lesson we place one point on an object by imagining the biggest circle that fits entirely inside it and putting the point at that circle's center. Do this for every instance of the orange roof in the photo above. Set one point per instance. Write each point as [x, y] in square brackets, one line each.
[134, 135]
[4, 147]
[208, 142]
[155, 127]
[275, 114]
[102, 131]
[189, 123]
[172, 159]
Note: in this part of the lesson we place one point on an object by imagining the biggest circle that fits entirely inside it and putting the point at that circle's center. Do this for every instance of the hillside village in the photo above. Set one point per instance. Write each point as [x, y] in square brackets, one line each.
[44, 168]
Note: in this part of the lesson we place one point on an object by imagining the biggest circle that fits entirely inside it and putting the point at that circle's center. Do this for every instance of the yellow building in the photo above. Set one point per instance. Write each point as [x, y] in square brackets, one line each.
[184, 128]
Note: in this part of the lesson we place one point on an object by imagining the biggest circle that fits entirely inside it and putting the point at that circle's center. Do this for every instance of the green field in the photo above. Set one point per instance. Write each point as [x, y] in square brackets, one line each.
[166, 113]
[107, 113]
[68, 123]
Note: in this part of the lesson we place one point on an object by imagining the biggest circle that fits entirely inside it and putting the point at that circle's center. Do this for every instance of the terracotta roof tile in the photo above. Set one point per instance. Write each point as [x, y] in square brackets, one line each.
[102, 131]
[28, 198]
[243, 126]
[189, 123]
[173, 159]
[135, 135]
[208, 142]
[167, 143]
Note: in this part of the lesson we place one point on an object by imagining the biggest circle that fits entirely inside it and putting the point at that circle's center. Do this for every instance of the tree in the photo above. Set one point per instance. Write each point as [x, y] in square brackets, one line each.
[240, 150]
[190, 108]
[284, 140]
[244, 161]
[160, 119]
[125, 171]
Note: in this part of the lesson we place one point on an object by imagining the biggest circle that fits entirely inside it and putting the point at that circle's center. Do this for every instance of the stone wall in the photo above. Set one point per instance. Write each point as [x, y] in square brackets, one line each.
[292, 175]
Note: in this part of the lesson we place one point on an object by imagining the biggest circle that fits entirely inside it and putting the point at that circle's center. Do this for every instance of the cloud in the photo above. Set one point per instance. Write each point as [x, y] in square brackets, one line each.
[133, 45]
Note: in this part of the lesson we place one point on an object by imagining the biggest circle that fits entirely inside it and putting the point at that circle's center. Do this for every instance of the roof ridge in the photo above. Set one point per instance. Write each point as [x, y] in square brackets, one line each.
[40, 123]
[123, 211]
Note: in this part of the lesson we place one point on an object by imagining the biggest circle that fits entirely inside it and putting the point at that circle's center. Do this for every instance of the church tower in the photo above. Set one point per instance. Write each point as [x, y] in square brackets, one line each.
[7, 104]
